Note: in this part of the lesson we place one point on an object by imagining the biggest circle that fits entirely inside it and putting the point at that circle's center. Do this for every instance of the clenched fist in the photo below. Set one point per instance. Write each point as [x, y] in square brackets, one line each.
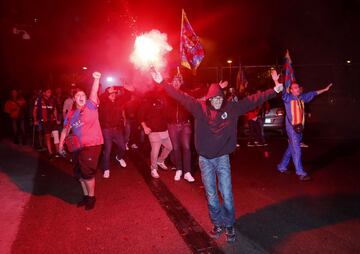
[96, 75]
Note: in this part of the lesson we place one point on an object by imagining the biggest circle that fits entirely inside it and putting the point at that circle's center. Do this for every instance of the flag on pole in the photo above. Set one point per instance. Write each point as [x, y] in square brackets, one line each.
[241, 81]
[191, 50]
[289, 71]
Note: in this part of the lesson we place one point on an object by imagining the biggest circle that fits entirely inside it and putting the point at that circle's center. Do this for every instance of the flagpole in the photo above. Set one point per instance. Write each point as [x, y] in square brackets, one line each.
[182, 20]
[181, 33]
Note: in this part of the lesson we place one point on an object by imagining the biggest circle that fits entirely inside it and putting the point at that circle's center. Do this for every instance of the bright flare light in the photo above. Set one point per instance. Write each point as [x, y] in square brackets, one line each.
[150, 50]
[110, 79]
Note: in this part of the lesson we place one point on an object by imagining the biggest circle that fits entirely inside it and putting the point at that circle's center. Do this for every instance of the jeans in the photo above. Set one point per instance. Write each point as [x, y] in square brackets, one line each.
[158, 139]
[112, 135]
[220, 214]
[293, 151]
[180, 135]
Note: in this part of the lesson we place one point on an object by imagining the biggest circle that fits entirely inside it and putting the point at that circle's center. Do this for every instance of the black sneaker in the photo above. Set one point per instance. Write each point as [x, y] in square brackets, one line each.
[230, 234]
[83, 201]
[90, 203]
[304, 178]
[216, 232]
[285, 172]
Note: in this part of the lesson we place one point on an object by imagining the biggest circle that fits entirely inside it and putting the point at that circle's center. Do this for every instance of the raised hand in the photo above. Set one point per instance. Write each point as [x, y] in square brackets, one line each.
[274, 75]
[223, 84]
[325, 89]
[157, 77]
[96, 75]
[328, 87]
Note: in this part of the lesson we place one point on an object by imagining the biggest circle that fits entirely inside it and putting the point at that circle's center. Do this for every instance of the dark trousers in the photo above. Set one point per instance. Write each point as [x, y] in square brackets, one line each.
[111, 135]
[18, 130]
[132, 132]
[256, 131]
[180, 135]
[85, 162]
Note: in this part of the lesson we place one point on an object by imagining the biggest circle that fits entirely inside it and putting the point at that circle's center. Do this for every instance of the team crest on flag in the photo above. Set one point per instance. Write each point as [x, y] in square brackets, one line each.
[191, 50]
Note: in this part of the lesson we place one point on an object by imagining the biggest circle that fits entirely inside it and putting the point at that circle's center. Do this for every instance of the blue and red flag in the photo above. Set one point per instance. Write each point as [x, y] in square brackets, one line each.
[191, 50]
[289, 71]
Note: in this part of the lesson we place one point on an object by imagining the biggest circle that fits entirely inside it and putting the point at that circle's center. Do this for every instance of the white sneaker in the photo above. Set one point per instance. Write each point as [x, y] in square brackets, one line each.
[178, 175]
[106, 174]
[162, 165]
[188, 177]
[121, 162]
[154, 173]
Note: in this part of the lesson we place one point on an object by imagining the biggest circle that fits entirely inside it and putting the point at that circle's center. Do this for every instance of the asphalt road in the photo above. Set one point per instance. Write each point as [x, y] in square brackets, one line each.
[137, 214]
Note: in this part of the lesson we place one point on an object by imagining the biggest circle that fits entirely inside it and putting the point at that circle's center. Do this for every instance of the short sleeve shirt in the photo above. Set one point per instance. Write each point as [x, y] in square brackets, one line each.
[47, 107]
[84, 123]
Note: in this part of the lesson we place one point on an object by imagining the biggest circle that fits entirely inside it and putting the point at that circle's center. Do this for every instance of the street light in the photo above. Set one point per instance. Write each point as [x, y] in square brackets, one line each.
[229, 62]
[24, 34]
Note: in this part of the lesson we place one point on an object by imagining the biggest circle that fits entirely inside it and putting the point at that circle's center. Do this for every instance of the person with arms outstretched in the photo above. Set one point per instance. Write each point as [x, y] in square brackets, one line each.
[215, 138]
[294, 101]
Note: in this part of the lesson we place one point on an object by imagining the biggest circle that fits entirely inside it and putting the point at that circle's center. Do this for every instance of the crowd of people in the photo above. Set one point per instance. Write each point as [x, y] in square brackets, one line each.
[88, 126]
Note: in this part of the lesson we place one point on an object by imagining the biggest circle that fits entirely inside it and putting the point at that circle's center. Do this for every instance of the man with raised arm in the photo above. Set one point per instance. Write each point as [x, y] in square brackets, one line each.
[294, 101]
[83, 122]
[215, 138]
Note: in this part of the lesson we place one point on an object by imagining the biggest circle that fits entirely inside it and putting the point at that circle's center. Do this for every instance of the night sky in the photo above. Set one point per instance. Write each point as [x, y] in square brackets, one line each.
[66, 35]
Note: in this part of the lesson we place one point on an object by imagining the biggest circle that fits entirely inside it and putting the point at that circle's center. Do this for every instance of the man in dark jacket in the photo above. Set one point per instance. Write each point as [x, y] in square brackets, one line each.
[153, 120]
[180, 131]
[215, 138]
[112, 125]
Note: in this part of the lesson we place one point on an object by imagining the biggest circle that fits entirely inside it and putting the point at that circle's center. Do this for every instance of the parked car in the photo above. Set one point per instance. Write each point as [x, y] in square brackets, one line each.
[275, 116]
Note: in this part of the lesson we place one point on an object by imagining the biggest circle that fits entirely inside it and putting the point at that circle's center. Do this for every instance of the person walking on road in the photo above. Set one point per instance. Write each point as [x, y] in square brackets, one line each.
[112, 125]
[45, 118]
[294, 101]
[153, 120]
[15, 108]
[215, 138]
[180, 131]
[84, 124]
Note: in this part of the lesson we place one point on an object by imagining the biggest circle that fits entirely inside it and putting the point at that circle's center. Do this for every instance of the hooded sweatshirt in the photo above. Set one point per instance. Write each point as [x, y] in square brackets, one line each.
[216, 130]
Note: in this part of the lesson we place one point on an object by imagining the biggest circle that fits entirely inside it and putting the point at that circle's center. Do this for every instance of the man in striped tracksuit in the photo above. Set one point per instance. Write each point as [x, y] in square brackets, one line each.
[294, 101]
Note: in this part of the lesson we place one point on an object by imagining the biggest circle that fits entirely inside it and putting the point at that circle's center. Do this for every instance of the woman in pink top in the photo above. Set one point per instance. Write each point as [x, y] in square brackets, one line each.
[83, 122]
